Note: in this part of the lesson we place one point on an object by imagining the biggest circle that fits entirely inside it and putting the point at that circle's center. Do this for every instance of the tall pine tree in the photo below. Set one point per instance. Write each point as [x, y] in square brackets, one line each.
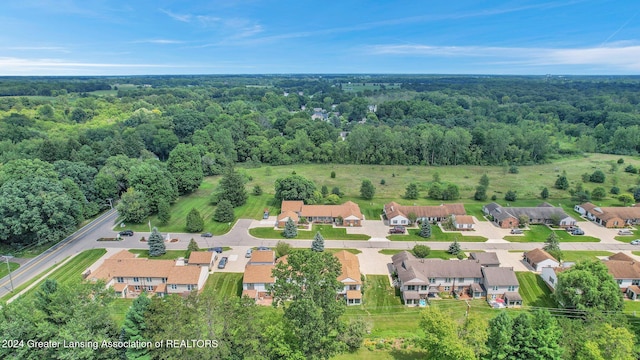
[425, 229]
[156, 244]
[318, 242]
[195, 222]
[290, 229]
[135, 326]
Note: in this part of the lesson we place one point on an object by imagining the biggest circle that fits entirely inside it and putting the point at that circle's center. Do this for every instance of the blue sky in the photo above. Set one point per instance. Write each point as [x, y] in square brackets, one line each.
[136, 37]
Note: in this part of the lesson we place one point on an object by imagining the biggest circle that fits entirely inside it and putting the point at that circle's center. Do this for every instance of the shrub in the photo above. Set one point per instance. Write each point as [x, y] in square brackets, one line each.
[421, 251]
[510, 195]
[481, 193]
[513, 169]
[598, 193]
[631, 169]
[597, 177]
[545, 193]
[615, 190]
[382, 182]
[333, 174]
[621, 161]
[494, 197]
[257, 190]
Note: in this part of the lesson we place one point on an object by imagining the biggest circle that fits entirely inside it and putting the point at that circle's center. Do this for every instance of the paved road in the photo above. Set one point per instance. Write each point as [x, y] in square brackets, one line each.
[238, 236]
[81, 240]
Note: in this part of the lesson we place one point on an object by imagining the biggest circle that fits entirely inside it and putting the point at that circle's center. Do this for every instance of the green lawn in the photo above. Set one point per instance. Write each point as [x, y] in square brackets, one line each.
[539, 233]
[327, 231]
[224, 285]
[3, 268]
[118, 310]
[629, 238]
[583, 255]
[169, 255]
[434, 254]
[436, 235]
[353, 251]
[534, 291]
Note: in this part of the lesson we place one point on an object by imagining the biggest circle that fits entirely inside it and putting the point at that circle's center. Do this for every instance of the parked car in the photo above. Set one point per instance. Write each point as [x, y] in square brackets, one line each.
[263, 248]
[577, 231]
[635, 242]
[397, 230]
[207, 235]
[625, 232]
[223, 262]
[571, 228]
[126, 233]
[517, 231]
[248, 254]
[217, 249]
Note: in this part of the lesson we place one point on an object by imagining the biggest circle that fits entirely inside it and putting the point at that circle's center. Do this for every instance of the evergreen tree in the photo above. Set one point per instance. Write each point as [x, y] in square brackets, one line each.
[193, 246]
[318, 242]
[156, 244]
[324, 190]
[552, 243]
[232, 188]
[257, 190]
[135, 326]
[454, 248]
[510, 195]
[481, 193]
[484, 181]
[195, 222]
[367, 191]
[499, 339]
[545, 193]
[224, 212]
[164, 213]
[425, 229]
[290, 229]
[411, 192]
[562, 183]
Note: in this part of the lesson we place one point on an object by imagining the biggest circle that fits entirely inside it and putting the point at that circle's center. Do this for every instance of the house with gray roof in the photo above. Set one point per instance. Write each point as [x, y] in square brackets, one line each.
[486, 259]
[501, 283]
[509, 217]
[421, 279]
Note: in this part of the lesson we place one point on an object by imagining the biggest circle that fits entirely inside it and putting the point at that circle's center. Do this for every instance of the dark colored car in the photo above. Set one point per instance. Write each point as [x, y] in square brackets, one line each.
[397, 230]
[126, 233]
[207, 235]
[263, 248]
[217, 249]
[223, 262]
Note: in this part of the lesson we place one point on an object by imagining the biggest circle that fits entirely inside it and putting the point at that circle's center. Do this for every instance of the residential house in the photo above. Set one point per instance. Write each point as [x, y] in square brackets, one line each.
[347, 214]
[486, 259]
[129, 276]
[201, 258]
[463, 222]
[319, 114]
[610, 217]
[258, 275]
[539, 259]
[501, 283]
[550, 274]
[625, 272]
[509, 217]
[351, 278]
[397, 214]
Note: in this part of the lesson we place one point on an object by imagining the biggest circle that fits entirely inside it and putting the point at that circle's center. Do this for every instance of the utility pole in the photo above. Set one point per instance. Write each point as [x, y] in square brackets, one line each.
[110, 202]
[6, 258]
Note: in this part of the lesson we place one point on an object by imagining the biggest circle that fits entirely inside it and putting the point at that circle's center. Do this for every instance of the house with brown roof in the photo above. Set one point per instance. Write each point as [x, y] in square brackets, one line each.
[626, 273]
[610, 217]
[397, 214]
[463, 222]
[129, 276]
[347, 214]
[258, 275]
[509, 217]
[201, 258]
[538, 259]
[351, 277]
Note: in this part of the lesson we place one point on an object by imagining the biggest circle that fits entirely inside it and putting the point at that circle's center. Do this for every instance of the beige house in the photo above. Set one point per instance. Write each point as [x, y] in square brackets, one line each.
[350, 277]
[397, 214]
[347, 214]
[201, 258]
[258, 275]
[539, 259]
[129, 276]
[610, 217]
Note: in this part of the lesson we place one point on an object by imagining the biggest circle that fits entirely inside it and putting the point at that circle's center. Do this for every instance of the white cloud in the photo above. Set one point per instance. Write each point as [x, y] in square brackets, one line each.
[179, 17]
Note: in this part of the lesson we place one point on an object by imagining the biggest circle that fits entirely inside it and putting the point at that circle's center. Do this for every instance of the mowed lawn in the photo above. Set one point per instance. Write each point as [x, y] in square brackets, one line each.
[328, 232]
[436, 235]
[534, 291]
[3, 268]
[577, 255]
[223, 285]
[169, 255]
[539, 233]
[433, 254]
[629, 238]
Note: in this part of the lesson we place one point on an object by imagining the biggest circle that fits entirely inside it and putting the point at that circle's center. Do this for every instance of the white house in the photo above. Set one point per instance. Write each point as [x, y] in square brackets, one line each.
[498, 281]
[539, 259]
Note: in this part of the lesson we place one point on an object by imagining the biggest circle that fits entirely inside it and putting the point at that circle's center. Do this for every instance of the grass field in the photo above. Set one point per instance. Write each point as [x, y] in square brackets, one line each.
[534, 291]
[539, 233]
[327, 231]
[224, 285]
[333, 251]
[3, 268]
[436, 235]
[584, 255]
[118, 310]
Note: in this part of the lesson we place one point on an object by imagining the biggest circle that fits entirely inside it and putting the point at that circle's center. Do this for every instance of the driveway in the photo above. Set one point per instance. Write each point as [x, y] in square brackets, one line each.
[236, 262]
[512, 259]
[374, 228]
[373, 263]
[605, 235]
[488, 230]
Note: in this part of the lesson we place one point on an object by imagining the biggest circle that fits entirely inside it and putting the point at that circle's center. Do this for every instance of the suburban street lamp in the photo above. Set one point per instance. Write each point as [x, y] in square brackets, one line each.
[6, 258]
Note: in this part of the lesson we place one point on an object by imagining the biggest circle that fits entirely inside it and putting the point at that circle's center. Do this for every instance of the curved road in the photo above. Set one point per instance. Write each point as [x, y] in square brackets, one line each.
[85, 239]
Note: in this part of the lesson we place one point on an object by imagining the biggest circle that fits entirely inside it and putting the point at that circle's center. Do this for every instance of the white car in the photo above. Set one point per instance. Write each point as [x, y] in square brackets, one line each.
[625, 232]
[635, 242]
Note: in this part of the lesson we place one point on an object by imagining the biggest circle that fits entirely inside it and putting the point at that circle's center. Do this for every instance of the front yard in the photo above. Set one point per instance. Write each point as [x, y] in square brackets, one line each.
[436, 235]
[434, 254]
[539, 233]
[328, 232]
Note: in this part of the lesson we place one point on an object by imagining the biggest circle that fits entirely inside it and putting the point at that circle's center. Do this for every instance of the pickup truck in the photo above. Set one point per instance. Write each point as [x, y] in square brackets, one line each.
[397, 230]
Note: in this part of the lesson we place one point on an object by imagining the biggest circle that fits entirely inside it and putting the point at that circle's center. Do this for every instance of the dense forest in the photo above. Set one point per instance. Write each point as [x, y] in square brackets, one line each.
[84, 141]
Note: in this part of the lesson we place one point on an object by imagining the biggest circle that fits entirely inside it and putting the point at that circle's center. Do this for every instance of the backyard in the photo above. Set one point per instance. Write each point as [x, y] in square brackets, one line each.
[534, 291]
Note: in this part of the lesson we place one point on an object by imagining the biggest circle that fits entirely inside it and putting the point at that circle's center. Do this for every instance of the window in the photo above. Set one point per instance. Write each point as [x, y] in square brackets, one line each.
[511, 288]
[174, 287]
[149, 288]
[476, 280]
[460, 279]
[164, 280]
[137, 287]
[495, 288]
[424, 287]
[190, 287]
[411, 287]
[447, 280]
[135, 279]
[447, 288]
[635, 282]
[148, 279]
[552, 280]
[395, 221]
[493, 296]
[619, 282]
[432, 280]
[120, 279]
[353, 287]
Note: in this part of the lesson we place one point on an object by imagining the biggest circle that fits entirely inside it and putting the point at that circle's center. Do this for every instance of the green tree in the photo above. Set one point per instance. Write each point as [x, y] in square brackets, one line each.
[598, 193]
[156, 244]
[562, 183]
[336, 191]
[421, 251]
[435, 191]
[441, 336]
[224, 212]
[332, 199]
[318, 242]
[367, 191]
[451, 192]
[195, 222]
[545, 193]
[135, 326]
[257, 190]
[185, 165]
[474, 332]
[306, 287]
[411, 192]
[608, 342]
[333, 174]
[164, 212]
[290, 229]
[282, 248]
[510, 195]
[481, 193]
[133, 206]
[425, 229]
[193, 246]
[324, 191]
[232, 188]
[499, 339]
[353, 334]
[454, 248]
[484, 180]
[294, 187]
[156, 183]
[597, 177]
[588, 286]
[552, 246]
[625, 199]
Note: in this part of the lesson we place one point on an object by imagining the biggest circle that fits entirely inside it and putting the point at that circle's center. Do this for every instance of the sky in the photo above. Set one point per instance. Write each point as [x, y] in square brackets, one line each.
[153, 37]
